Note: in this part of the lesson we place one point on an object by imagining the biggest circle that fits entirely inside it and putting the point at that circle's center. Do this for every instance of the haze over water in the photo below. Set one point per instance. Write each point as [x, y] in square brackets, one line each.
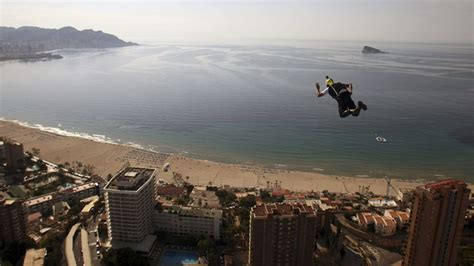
[255, 104]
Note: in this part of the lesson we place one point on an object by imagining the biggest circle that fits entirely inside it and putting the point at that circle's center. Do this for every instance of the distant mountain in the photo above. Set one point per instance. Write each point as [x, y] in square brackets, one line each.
[26, 41]
[372, 50]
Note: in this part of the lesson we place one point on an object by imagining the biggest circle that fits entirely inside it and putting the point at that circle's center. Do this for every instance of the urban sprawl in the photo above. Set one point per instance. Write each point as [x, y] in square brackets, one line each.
[65, 214]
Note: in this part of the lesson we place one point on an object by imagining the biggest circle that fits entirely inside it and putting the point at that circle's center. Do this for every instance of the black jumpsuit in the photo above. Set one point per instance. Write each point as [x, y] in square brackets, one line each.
[343, 97]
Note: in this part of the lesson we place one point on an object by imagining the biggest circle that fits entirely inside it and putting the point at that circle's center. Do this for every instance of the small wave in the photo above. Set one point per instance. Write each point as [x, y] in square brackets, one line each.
[362, 175]
[318, 169]
[280, 165]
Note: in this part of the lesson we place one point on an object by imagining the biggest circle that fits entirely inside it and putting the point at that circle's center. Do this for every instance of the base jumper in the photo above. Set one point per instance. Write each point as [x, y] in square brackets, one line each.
[342, 94]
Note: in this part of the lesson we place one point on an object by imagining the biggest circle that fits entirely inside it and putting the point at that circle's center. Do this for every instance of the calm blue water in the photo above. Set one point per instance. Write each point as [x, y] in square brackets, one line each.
[178, 258]
[256, 104]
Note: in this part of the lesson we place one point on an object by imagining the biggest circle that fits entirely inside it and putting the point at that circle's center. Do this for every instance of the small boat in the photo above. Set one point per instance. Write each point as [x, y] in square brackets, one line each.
[380, 139]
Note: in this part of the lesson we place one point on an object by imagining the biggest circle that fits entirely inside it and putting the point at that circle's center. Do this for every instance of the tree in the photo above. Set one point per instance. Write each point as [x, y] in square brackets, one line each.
[123, 256]
[35, 152]
[182, 200]
[15, 251]
[248, 202]
[88, 169]
[207, 248]
[225, 197]
[42, 165]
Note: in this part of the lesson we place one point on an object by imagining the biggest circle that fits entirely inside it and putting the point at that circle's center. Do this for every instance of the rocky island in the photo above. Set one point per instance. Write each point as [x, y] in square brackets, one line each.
[372, 50]
[28, 43]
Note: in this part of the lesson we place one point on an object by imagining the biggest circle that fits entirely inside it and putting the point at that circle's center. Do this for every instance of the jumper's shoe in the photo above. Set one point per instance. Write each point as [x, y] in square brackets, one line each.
[362, 105]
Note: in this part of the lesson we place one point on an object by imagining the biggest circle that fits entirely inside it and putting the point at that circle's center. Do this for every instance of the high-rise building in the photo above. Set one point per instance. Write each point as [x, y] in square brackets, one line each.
[13, 152]
[12, 220]
[436, 223]
[2, 149]
[129, 201]
[282, 234]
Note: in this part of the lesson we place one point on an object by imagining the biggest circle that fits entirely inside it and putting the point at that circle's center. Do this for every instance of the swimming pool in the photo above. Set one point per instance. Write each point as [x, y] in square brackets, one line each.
[178, 258]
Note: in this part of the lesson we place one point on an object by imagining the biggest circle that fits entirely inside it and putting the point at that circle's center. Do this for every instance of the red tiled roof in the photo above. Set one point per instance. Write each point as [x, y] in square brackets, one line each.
[403, 216]
[170, 190]
[34, 216]
[389, 221]
[448, 183]
[281, 192]
[366, 218]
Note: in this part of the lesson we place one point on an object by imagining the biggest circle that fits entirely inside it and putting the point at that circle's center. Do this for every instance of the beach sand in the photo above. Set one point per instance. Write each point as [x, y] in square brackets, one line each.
[109, 158]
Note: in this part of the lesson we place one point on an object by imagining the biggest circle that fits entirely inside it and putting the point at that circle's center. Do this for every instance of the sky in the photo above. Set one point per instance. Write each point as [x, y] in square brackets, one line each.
[238, 21]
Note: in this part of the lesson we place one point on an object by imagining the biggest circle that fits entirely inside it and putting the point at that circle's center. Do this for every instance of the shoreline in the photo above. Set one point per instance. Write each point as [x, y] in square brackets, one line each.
[108, 157]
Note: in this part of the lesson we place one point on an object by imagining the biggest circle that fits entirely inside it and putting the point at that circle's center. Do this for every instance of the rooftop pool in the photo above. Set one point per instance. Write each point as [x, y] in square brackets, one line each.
[178, 258]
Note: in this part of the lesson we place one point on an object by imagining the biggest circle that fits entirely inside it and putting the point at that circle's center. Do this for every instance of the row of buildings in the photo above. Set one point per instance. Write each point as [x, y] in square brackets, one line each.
[45, 202]
[18, 216]
[385, 225]
[279, 233]
[284, 234]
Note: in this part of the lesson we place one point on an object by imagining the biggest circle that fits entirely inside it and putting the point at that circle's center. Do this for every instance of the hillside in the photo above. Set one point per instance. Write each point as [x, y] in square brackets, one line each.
[25, 41]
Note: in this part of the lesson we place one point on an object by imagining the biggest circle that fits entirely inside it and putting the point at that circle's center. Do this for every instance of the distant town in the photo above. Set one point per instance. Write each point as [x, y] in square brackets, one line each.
[66, 214]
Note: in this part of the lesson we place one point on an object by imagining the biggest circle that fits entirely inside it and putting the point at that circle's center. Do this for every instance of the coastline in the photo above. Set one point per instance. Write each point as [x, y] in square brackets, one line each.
[108, 157]
[31, 57]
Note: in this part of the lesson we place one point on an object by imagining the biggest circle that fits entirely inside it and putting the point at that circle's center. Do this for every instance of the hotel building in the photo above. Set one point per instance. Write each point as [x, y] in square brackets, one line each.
[12, 220]
[436, 223]
[282, 234]
[188, 221]
[129, 201]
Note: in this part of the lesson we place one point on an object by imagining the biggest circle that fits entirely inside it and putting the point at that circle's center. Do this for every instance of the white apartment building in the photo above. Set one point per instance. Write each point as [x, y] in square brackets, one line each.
[129, 201]
[188, 220]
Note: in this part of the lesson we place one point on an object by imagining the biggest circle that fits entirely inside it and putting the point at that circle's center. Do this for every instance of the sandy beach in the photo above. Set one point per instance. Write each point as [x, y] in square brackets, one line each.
[109, 158]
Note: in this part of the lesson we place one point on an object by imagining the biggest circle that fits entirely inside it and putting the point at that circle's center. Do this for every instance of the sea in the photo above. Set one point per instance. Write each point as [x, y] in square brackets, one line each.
[255, 104]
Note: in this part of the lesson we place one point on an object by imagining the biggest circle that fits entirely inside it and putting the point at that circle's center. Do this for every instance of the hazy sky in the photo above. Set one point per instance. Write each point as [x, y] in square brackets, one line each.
[237, 21]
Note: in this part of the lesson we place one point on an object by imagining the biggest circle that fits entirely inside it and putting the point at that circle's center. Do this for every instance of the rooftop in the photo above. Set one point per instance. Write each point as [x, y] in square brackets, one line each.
[170, 190]
[282, 209]
[35, 257]
[34, 216]
[403, 216]
[39, 200]
[84, 187]
[389, 221]
[194, 211]
[366, 218]
[131, 178]
[446, 183]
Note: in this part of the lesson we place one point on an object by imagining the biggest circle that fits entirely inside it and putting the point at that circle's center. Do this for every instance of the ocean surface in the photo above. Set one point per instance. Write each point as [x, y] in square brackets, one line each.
[256, 104]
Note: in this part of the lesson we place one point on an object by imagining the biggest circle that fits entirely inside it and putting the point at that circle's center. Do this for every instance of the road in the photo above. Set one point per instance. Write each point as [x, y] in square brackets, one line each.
[71, 260]
[93, 239]
[86, 252]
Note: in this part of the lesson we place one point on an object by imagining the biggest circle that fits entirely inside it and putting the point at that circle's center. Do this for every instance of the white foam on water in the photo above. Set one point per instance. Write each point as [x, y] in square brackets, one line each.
[62, 132]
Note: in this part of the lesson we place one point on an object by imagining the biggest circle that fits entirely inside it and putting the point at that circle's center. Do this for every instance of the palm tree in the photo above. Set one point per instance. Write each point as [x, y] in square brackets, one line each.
[35, 152]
